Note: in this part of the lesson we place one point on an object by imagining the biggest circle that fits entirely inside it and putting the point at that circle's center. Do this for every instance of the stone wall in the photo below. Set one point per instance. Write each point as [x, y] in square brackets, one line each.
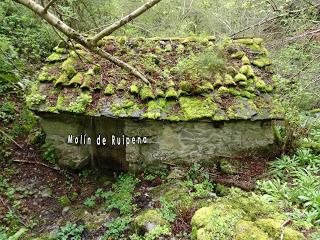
[177, 143]
[203, 142]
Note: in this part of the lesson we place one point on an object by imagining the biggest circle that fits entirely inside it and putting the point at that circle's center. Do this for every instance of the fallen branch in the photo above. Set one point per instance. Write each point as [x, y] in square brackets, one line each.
[11, 138]
[306, 34]
[90, 44]
[37, 163]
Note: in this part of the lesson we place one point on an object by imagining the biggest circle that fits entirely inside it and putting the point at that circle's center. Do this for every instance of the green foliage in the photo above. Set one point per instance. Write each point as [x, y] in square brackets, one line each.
[167, 210]
[31, 38]
[202, 64]
[117, 227]
[154, 234]
[49, 153]
[70, 231]
[296, 182]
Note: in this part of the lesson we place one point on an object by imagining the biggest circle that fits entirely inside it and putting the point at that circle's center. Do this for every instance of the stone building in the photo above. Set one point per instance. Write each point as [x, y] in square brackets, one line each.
[206, 101]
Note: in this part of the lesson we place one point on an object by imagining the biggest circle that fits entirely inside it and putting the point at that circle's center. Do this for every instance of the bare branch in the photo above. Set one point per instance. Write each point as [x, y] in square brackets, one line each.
[136, 13]
[72, 34]
[45, 9]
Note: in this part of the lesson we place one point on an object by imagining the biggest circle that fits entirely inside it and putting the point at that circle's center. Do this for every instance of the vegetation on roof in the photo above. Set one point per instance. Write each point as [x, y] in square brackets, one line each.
[191, 78]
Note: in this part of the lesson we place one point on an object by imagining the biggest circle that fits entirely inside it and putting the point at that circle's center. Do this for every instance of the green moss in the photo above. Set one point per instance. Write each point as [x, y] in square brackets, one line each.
[68, 66]
[60, 103]
[186, 86]
[215, 222]
[60, 50]
[148, 217]
[260, 84]
[56, 57]
[154, 108]
[247, 94]
[195, 108]
[262, 62]
[274, 229]
[245, 60]
[227, 167]
[62, 80]
[245, 41]
[64, 201]
[247, 230]
[229, 80]
[171, 93]
[134, 89]
[77, 79]
[238, 55]
[240, 77]
[109, 90]
[87, 81]
[45, 76]
[80, 104]
[124, 108]
[247, 70]
[121, 85]
[206, 87]
[159, 92]
[180, 48]
[218, 80]
[168, 48]
[34, 98]
[146, 93]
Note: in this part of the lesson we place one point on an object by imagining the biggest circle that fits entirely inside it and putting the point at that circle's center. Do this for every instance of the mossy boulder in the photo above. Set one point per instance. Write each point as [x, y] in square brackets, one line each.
[148, 220]
[239, 215]
[274, 229]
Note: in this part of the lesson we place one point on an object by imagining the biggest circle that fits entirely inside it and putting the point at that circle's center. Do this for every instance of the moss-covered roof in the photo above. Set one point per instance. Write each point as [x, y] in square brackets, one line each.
[191, 78]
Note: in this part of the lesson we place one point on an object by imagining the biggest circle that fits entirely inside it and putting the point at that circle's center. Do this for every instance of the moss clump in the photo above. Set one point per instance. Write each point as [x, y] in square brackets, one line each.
[171, 93]
[215, 222]
[62, 80]
[45, 76]
[186, 86]
[159, 92]
[35, 98]
[247, 230]
[238, 55]
[247, 70]
[260, 84]
[88, 81]
[146, 93]
[262, 62]
[274, 229]
[56, 57]
[109, 90]
[149, 218]
[60, 50]
[64, 201]
[218, 80]
[229, 81]
[122, 85]
[80, 104]
[77, 79]
[196, 108]
[206, 87]
[168, 48]
[124, 108]
[134, 89]
[240, 77]
[60, 103]
[154, 108]
[68, 66]
[245, 60]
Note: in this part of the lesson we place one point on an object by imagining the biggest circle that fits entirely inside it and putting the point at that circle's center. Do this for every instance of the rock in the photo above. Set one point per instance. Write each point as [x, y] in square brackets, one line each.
[274, 229]
[148, 220]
